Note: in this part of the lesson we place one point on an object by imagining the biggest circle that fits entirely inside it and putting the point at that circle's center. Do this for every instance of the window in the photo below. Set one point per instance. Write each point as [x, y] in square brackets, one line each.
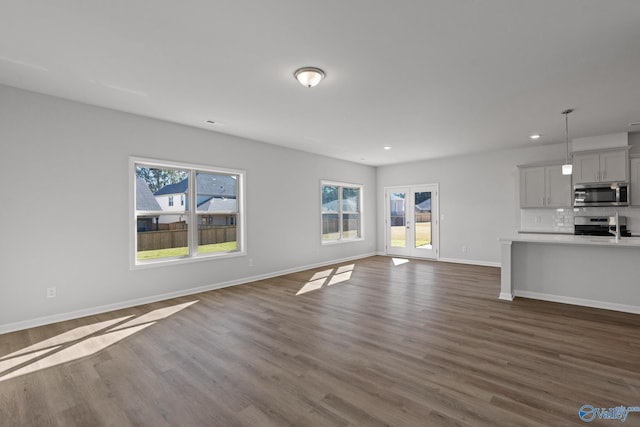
[207, 223]
[341, 212]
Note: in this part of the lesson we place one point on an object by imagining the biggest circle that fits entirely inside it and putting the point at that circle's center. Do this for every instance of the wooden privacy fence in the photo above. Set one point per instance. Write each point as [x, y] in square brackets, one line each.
[423, 216]
[164, 239]
[330, 225]
[399, 219]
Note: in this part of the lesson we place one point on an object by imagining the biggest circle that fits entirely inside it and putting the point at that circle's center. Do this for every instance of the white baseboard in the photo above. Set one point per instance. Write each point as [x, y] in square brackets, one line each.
[46, 320]
[579, 301]
[506, 296]
[471, 261]
[454, 260]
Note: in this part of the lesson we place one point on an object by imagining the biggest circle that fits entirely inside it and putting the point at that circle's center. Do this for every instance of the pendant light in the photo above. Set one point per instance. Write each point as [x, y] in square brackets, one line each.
[567, 168]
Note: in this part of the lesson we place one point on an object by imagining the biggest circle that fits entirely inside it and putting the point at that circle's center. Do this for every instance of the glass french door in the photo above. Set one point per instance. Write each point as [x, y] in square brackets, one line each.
[412, 221]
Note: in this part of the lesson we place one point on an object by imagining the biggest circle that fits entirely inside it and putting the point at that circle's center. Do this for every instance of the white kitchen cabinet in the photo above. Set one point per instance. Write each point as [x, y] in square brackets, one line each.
[614, 165]
[544, 187]
[558, 188]
[634, 182]
[600, 166]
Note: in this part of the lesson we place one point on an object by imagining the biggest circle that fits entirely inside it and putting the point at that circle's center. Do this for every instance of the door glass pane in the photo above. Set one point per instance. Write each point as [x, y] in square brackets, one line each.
[398, 220]
[423, 219]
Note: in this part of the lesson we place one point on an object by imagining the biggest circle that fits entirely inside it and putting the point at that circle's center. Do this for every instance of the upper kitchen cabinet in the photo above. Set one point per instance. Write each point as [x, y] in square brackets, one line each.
[544, 187]
[600, 166]
[634, 183]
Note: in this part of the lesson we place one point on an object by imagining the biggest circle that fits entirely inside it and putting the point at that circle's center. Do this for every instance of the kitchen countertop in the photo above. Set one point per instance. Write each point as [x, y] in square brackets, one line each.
[570, 239]
[569, 233]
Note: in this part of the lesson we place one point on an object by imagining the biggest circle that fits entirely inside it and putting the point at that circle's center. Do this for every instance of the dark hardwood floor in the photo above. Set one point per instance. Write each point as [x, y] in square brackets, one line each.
[367, 343]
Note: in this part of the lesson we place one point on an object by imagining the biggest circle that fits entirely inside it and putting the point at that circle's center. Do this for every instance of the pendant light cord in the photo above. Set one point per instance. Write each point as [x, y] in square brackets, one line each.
[566, 122]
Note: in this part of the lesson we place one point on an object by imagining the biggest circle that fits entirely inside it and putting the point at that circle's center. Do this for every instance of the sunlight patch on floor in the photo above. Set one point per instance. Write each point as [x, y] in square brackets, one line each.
[154, 315]
[66, 337]
[84, 348]
[321, 275]
[7, 364]
[327, 278]
[311, 286]
[339, 278]
[80, 342]
[399, 261]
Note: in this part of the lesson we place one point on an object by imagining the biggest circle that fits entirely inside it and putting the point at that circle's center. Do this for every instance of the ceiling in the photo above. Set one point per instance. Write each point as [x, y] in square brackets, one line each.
[430, 78]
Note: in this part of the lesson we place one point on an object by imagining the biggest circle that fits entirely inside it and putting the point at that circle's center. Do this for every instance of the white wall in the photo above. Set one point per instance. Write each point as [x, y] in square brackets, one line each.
[478, 197]
[64, 169]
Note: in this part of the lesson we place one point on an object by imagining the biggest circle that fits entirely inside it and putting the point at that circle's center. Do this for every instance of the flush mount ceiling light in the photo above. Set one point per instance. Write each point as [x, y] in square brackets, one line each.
[386, 147]
[309, 76]
[535, 136]
[567, 168]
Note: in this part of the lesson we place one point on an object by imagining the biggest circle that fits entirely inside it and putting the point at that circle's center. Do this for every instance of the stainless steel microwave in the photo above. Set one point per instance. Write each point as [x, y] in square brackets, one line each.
[616, 194]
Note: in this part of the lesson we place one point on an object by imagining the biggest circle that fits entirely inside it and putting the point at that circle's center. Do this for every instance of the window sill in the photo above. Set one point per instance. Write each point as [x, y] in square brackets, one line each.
[166, 262]
[338, 242]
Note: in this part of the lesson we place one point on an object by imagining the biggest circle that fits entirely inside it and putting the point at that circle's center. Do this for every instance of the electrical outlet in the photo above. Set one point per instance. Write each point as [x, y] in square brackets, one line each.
[250, 262]
[464, 249]
[51, 292]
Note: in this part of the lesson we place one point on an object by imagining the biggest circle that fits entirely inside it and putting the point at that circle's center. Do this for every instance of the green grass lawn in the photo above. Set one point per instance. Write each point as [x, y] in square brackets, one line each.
[350, 234]
[180, 252]
[423, 235]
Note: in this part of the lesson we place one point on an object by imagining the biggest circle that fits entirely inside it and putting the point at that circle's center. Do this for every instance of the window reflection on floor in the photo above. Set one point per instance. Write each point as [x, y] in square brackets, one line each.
[80, 342]
[328, 277]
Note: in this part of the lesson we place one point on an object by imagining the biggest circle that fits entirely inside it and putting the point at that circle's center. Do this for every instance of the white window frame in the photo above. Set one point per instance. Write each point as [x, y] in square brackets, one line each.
[191, 213]
[340, 238]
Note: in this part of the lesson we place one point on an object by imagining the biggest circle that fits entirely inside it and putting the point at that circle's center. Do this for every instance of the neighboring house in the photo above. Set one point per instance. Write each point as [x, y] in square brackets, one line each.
[348, 205]
[216, 197]
[425, 206]
[146, 202]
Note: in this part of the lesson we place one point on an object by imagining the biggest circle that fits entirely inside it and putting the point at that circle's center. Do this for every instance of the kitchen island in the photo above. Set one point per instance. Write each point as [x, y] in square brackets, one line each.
[582, 270]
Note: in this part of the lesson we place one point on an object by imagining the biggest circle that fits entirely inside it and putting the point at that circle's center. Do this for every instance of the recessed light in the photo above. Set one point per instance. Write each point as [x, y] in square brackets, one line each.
[212, 122]
[387, 147]
[535, 136]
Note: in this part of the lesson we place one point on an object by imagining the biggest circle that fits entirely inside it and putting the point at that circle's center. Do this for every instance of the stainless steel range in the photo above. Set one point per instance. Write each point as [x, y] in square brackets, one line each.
[599, 226]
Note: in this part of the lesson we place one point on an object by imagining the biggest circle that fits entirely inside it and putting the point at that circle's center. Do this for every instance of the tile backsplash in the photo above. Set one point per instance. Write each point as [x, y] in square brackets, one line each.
[561, 220]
